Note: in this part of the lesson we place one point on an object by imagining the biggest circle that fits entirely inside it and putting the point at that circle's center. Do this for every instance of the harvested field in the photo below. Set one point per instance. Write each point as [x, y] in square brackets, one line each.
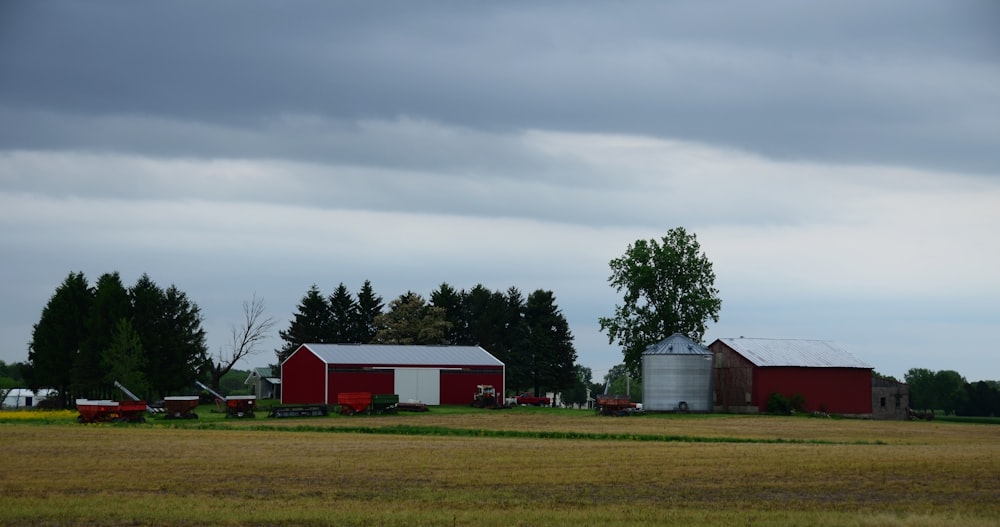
[317, 472]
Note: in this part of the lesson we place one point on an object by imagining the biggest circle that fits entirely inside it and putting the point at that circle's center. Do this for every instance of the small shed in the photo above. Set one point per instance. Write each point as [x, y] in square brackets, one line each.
[826, 376]
[677, 376]
[23, 397]
[434, 375]
[890, 399]
[263, 383]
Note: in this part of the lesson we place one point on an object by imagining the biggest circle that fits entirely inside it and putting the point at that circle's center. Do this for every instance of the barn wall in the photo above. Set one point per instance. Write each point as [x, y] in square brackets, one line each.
[833, 390]
[459, 386]
[302, 378]
[732, 380]
[346, 379]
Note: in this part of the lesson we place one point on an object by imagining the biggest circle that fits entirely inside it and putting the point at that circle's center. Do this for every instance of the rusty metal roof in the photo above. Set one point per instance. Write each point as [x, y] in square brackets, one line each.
[403, 355]
[794, 352]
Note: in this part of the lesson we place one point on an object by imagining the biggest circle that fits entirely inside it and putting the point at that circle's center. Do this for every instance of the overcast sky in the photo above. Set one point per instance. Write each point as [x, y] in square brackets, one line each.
[839, 162]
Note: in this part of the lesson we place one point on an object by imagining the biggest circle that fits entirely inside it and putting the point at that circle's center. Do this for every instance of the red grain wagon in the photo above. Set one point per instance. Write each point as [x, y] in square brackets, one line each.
[240, 405]
[180, 407]
[102, 411]
[354, 402]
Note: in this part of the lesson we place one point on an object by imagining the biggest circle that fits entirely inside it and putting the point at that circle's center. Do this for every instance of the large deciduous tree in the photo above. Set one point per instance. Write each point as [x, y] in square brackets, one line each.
[411, 321]
[923, 395]
[668, 287]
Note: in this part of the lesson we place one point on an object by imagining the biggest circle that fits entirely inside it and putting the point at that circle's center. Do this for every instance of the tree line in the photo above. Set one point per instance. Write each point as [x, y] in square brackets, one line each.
[948, 391]
[529, 334]
[148, 338]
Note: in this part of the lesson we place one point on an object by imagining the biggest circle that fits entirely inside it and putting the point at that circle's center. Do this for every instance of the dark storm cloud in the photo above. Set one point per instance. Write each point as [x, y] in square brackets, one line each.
[896, 82]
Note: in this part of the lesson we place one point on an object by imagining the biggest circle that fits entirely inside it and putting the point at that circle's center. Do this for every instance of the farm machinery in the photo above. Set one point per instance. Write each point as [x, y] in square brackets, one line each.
[616, 405]
[237, 406]
[180, 407]
[104, 410]
[486, 397]
[367, 403]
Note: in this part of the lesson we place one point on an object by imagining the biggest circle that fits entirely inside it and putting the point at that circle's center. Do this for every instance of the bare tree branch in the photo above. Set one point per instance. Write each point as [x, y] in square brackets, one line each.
[245, 338]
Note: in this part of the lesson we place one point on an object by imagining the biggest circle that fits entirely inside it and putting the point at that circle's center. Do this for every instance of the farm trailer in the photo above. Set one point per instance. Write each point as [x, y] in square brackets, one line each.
[105, 411]
[365, 402]
[237, 406]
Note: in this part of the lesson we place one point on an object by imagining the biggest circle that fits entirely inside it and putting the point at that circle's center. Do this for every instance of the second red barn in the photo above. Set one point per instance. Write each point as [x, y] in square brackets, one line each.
[434, 375]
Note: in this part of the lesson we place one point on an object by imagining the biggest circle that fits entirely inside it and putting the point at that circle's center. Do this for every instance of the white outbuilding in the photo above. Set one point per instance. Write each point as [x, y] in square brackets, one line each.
[24, 398]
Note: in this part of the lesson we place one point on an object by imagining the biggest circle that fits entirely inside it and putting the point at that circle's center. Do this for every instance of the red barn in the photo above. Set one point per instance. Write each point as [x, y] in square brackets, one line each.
[316, 373]
[748, 371]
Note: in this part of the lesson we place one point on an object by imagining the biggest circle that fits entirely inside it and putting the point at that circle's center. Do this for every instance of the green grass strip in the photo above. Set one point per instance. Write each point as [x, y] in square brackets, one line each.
[438, 431]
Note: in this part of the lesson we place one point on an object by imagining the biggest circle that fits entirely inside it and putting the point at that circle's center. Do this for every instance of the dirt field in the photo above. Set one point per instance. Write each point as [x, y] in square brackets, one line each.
[658, 470]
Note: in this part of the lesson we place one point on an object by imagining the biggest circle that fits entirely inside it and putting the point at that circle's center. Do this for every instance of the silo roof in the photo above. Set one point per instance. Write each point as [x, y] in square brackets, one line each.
[403, 355]
[677, 344]
[794, 352]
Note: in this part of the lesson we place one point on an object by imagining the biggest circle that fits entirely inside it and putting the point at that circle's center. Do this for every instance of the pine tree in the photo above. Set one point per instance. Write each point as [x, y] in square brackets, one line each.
[343, 316]
[110, 305]
[549, 343]
[123, 360]
[182, 350]
[56, 338]
[369, 308]
[312, 324]
[450, 300]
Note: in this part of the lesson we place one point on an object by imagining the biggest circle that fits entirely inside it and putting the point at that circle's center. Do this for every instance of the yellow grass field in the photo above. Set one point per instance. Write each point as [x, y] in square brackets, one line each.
[657, 470]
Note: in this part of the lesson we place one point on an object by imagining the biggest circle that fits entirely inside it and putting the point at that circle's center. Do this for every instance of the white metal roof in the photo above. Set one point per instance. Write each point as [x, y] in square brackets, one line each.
[403, 355]
[794, 352]
[677, 344]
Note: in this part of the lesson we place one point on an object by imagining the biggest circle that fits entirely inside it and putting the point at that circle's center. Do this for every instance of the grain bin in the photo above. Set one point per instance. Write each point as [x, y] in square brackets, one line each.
[677, 376]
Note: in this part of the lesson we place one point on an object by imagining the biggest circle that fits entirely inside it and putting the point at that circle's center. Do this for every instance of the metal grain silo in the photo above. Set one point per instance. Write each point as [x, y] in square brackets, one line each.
[677, 376]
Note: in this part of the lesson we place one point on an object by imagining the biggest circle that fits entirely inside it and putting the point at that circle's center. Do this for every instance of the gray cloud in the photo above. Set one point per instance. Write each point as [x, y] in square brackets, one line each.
[899, 83]
[831, 157]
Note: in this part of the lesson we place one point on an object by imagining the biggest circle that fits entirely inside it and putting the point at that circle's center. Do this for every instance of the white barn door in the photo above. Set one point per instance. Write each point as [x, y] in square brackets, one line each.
[421, 384]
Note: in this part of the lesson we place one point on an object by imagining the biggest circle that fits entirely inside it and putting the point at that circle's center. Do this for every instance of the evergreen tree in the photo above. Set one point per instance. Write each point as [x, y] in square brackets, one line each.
[450, 300]
[514, 336]
[343, 316]
[485, 315]
[369, 308]
[411, 321]
[312, 324]
[56, 338]
[549, 343]
[182, 350]
[123, 360]
[110, 305]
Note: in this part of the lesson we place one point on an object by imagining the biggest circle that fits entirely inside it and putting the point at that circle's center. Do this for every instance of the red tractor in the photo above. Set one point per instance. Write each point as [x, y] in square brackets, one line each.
[486, 397]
